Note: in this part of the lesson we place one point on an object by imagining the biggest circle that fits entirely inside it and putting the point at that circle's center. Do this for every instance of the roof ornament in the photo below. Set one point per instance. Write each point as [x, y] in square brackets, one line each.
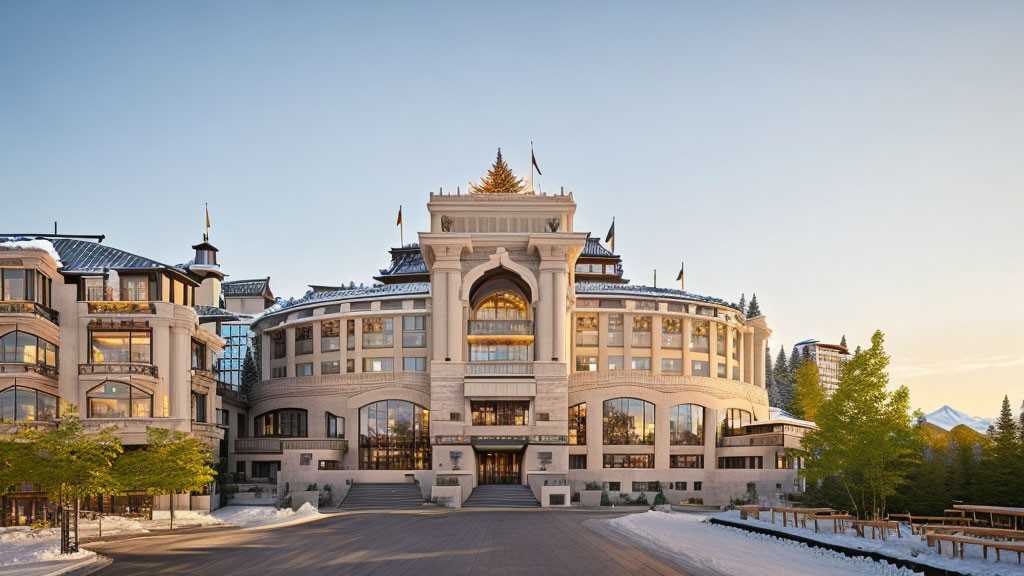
[499, 180]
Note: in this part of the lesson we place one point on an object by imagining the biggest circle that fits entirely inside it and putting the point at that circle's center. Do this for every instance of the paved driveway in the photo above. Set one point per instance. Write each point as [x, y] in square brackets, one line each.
[462, 542]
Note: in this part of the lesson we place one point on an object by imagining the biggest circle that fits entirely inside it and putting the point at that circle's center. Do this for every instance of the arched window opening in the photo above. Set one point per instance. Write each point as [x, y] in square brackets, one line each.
[18, 403]
[113, 399]
[394, 435]
[628, 421]
[686, 425]
[282, 423]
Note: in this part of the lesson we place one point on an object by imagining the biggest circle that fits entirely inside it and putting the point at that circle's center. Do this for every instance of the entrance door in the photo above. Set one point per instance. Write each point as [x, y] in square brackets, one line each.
[499, 467]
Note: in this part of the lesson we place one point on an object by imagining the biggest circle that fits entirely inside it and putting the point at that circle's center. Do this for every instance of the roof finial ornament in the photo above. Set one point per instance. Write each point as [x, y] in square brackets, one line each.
[499, 180]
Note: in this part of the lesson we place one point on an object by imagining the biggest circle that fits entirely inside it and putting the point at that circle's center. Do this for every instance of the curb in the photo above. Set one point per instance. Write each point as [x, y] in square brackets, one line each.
[95, 563]
[926, 569]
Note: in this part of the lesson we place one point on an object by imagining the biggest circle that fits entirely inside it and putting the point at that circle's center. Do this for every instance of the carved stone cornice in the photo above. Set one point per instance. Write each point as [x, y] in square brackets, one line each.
[716, 387]
[346, 385]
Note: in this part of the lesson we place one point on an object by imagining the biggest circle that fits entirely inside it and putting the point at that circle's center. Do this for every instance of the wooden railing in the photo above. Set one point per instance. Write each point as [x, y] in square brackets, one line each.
[29, 307]
[119, 368]
[499, 369]
[16, 367]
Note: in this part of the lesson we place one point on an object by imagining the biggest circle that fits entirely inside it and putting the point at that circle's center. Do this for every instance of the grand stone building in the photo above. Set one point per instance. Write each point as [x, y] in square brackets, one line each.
[507, 348]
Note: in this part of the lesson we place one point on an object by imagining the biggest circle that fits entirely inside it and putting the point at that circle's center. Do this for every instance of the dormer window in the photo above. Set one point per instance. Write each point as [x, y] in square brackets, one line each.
[135, 288]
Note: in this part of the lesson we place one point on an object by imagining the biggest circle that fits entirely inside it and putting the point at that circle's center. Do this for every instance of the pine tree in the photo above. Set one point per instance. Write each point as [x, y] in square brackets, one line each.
[843, 341]
[1001, 465]
[500, 180]
[743, 303]
[1020, 427]
[769, 378]
[795, 359]
[783, 383]
[754, 309]
[250, 373]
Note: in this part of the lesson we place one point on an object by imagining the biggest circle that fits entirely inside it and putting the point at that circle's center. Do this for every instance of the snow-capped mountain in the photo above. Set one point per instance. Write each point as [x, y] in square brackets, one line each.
[947, 418]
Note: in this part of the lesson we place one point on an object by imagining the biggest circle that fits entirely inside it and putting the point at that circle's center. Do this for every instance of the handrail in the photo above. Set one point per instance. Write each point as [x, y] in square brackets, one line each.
[29, 307]
[118, 368]
[505, 327]
[499, 369]
[15, 367]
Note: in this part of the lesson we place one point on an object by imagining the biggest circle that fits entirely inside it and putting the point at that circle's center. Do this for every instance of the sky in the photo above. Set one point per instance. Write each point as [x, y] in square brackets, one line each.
[856, 165]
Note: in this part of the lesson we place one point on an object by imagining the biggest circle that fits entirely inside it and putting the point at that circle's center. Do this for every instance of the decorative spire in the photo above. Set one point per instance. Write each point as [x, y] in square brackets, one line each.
[499, 180]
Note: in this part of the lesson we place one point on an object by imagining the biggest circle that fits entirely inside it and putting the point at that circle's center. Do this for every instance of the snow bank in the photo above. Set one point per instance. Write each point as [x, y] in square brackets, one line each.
[262, 515]
[26, 244]
[21, 545]
[693, 541]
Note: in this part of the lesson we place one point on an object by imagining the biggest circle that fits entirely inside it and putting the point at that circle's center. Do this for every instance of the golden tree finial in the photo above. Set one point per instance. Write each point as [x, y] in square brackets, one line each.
[499, 180]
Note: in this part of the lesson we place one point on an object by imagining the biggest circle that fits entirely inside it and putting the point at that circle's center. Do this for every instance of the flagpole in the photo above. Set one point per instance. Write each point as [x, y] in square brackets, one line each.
[531, 166]
[401, 228]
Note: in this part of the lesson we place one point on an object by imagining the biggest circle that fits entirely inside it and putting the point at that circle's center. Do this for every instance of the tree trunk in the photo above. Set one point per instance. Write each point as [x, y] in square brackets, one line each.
[172, 511]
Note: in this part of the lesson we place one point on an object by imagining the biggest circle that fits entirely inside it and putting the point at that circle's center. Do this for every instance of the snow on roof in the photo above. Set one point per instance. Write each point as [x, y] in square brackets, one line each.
[21, 243]
[780, 416]
[245, 287]
[213, 313]
[594, 249]
[311, 297]
[646, 291]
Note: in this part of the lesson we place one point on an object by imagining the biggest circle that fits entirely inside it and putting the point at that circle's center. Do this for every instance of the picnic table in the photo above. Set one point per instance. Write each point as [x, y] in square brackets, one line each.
[882, 526]
[797, 512]
[1016, 514]
[752, 509]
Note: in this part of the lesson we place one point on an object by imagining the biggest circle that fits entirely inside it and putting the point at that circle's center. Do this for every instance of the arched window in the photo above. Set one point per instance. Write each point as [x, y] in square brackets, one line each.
[113, 399]
[23, 348]
[394, 435]
[734, 421]
[628, 421]
[502, 296]
[26, 404]
[578, 424]
[282, 423]
[686, 425]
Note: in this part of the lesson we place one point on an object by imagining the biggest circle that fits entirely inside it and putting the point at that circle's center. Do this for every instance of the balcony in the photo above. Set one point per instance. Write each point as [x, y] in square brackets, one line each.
[133, 368]
[258, 445]
[278, 445]
[121, 307]
[29, 307]
[771, 439]
[488, 369]
[20, 368]
[500, 328]
[203, 374]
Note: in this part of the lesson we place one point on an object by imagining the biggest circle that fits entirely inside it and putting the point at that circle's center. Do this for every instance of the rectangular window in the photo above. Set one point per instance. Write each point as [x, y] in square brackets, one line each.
[414, 364]
[629, 461]
[198, 407]
[378, 332]
[198, 355]
[330, 367]
[646, 486]
[304, 340]
[721, 370]
[304, 369]
[672, 365]
[676, 307]
[577, 461]
[586, 363]
[612, 304]
[335, 426]
[279, 372]
[735, 344]
[121, 346]
[707, 311]
[672, 333]
[720, 339]
[641, 363]
[697, 486]
[414, 332]
[586, 303]
[350, 342]
[679, 486]
[645, 305]
[612, 486]
[350, 366]
[586, 330]
[135, 288]
[379, 364]
[330, 335]
[578, 424]
[686, 461]
[641, 332]
[93, 289]
[699, 336]
[614, 330]
[741, 462]
[700, 368]
[501, 413]
[615, 363]
[13, 284]
[327, 465]
[280, 349]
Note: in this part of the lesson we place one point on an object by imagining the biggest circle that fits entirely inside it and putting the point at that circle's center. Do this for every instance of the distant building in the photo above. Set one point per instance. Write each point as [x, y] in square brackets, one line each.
[829, 358]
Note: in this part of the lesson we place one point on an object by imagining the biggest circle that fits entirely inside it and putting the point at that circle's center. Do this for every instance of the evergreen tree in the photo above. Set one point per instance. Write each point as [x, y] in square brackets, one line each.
[781, 376]
[754, 309]
[769, 378]
[808, 394]
[1001, 464]
[500, 179]
[1020, 427]
[250, 373]
[843, 341]
[743, 304]
[795, 359]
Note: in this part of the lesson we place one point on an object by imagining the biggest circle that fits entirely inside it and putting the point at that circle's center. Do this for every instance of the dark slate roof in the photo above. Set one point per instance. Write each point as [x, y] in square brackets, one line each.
[80, 256]
[240, 288]
[213, 314]
[311, 297]
[594, 249]
[406, 260]
[589, 288]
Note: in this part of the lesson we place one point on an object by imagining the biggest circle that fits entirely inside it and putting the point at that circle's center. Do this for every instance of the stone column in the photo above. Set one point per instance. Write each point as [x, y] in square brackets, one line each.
[656, 330]
[558, 314]
[179, 380]
[542, 339]
[760, 378]
[728, 353]
[713, 348]
[455, 328]
[748, 358]
[439, 336]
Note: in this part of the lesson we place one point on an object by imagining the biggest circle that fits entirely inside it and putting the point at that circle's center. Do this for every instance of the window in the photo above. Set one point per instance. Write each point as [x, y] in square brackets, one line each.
[686, 461]
[378, 332]
[586, 330]
[612, 304]
[640, 363]
[735, 344]
[379, 364]
[721, 370]
[19, 347]
[414, 364]
[672, 365]
[672, 333]
[707, 311]
[121, 346]
[93, 288]
[304, 369]
[720, 339]
[741, 462]
[577, 461]
[612, 486]
[628, 421]
[350, 341]
[628, 461]
[282, 423]
[198, 355]
[645, 305]
[279, 347]
[304, 340]
[699, 336]
[614, 330]
[679, 485]
[615, 363]
[501, 413]
[20, 403]
[327, 465]
[578, 424]
[394, 435]
[119, 400]
[700, 368]
[586, 363]
[641, 332]
[505, 301]
[414, 332]
[735, 420]
[500, 353]
[586, 303]
[646, 486]
[350, 366]
[330, 335]
[135, 288]
[13, 282]
[335, 426]
[198, 407]
[686, 425]
[697, 486]
[279, 372]
[330, 367]
[676, 307]
[23, 284]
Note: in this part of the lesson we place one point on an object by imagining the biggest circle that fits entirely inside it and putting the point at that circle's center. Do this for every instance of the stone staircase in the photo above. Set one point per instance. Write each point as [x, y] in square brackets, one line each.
[382, 496]
[501, 496]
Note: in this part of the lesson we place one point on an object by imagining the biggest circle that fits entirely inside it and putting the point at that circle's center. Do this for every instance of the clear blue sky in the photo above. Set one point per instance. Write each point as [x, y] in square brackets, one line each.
[858, 166]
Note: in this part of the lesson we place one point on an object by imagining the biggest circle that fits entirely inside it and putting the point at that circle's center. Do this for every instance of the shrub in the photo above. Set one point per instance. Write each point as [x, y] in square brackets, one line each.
[593, 486]
[605, 501]
[311, 487]
[641, 500]
[41, 524]
[660, 499]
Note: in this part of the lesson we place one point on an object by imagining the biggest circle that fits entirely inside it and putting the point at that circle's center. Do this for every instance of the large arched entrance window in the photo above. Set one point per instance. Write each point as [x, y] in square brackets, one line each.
[501, 328]
[628, 421]
[26, 404]
[394, 435]
[113, 399]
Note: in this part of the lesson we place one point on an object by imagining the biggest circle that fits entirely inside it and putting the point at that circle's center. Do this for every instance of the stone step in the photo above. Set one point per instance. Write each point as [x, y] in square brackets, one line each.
[501, 496]
[382, 496]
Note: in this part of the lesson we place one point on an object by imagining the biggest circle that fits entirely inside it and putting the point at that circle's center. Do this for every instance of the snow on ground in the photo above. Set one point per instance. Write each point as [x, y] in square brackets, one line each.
[21, 545]
[262, 515]
[732, 551]
[909, 547]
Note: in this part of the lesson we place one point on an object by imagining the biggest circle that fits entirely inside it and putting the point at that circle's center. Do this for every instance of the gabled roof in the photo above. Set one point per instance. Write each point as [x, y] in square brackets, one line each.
[243, 288]
[594, 249]
[592, 288]
[215, 314]
[84, 257]
[406, 261]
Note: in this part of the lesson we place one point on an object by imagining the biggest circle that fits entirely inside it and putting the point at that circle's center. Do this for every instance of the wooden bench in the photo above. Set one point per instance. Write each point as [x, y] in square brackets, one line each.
[999, 533]
[752, 510]
[838, 521]
[959, 542]
[796, 512]
[917, 523]
[882, 526]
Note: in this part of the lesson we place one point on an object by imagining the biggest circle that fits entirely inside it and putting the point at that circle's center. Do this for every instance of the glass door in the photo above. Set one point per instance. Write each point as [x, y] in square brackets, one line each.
[499, 467]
